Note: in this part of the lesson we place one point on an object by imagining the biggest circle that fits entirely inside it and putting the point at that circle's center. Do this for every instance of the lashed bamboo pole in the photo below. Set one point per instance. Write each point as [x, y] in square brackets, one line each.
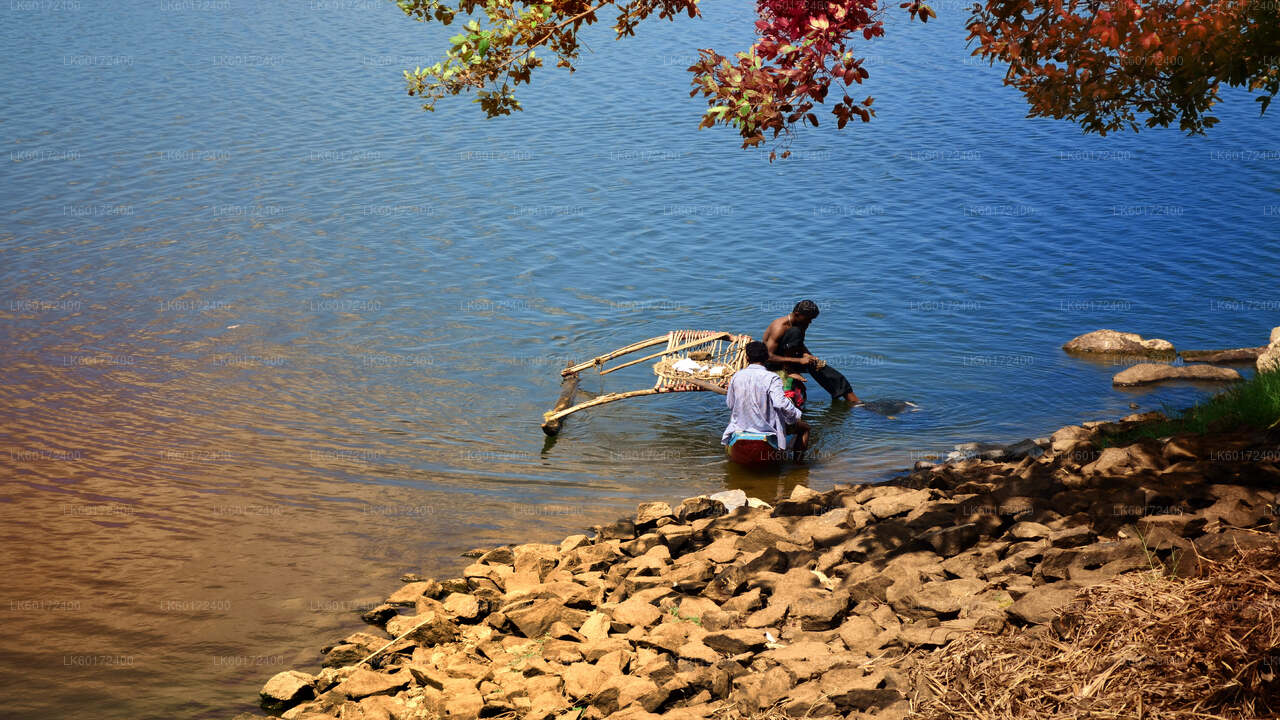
[611, 397]
[668, 351]
[596, 361]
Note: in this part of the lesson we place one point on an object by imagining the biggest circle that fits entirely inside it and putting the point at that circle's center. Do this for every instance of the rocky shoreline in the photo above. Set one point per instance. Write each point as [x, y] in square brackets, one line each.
[819, 605]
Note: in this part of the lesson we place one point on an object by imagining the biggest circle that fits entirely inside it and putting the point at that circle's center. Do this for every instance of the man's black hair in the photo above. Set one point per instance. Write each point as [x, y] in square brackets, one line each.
[806, 308]
[757, 352]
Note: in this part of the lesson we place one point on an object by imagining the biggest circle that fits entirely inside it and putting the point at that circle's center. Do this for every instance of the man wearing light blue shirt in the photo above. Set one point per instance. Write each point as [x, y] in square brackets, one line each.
[757, 403]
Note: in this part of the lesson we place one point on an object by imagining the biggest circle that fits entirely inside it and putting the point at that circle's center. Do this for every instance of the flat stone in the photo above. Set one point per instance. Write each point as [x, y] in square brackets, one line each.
[805, 659]
[923, 634]
[536, 559]
[286, 689]
[362, 683]
[820, 611]
[1042, 603]
[952, 540]
[699, 507]
[1027, 530]
[899, 504]
[621, 529]
[1092, 562]
[699, 652]
[431, 628]
[731, 499]
[651, 512]
[858, 631]
[1072, 537]
[409, 594]
[757, 691]
[852, 690]
[939, 598]
[1181, 525]
[379, 614]
[498, 556]
[583, 680]
[1233, 355]
[595, 627]
[535, 619]
[463, 605]
[636, 613]
[1145, 373]
[734, 642]
[1115, 461]
[573, 542]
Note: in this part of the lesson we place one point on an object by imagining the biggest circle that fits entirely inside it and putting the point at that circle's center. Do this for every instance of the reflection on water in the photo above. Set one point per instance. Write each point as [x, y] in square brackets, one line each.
[267, 345]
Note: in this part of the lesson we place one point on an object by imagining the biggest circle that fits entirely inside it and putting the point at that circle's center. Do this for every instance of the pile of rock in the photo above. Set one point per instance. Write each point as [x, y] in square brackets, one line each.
[810, 608]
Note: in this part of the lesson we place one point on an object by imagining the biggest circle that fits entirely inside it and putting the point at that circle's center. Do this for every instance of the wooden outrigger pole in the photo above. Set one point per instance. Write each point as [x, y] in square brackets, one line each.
[725, 352]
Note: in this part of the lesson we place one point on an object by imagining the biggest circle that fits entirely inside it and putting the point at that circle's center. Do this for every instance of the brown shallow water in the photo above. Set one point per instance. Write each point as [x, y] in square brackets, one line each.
[270, 336]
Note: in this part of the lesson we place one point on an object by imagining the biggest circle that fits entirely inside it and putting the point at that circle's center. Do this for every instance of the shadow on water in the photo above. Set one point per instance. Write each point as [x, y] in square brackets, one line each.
[768, 483]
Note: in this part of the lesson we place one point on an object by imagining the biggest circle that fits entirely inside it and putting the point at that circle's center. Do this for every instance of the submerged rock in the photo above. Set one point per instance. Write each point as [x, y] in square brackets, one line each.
[1145, 373]
[1113, 342]
[1223, 356]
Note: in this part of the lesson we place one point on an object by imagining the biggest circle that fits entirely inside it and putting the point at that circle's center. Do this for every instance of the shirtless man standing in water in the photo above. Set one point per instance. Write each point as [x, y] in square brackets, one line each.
[785, 339]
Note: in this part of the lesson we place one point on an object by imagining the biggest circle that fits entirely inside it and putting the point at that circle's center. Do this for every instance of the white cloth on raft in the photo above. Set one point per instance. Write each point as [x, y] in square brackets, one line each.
[688, 365]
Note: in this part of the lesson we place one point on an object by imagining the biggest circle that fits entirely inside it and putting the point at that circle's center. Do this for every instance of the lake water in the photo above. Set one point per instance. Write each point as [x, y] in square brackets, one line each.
[272, 336]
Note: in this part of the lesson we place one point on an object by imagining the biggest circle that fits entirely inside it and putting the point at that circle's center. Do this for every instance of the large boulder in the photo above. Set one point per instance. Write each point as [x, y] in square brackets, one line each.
[1144, 373]
[1113, 342]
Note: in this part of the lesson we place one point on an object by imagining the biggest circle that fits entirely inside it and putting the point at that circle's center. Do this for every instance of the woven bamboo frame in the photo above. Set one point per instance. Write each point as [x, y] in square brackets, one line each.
[722, 348]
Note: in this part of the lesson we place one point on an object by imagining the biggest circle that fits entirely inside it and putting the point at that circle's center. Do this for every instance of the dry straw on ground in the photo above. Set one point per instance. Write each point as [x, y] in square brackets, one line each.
[1143, 646]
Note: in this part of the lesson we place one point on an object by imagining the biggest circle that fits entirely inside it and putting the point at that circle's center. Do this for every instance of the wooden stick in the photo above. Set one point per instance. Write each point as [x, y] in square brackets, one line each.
[704, 385]
[403, 635]
[612, 397]
[568, 389]
[597, 361]
[677, 348]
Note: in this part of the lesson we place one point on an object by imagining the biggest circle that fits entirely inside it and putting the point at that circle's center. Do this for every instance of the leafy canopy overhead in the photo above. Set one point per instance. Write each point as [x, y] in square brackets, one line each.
[1098, 63]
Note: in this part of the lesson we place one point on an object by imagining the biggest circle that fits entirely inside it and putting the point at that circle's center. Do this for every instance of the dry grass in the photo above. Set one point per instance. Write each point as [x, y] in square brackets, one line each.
[1144, 646]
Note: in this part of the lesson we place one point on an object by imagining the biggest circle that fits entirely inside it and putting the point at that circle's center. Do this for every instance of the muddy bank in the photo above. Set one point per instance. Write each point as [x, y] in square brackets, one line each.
[818, 605]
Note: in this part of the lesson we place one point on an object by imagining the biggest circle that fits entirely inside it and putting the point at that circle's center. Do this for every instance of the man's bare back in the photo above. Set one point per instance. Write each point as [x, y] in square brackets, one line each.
[773, 337]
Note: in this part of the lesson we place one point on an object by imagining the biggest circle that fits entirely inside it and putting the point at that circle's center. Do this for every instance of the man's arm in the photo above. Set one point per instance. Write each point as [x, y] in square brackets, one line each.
[787, 409]
[772, 335]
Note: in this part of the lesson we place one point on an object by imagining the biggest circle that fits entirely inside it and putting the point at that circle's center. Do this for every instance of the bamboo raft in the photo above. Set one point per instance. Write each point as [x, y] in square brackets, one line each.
[722, 352]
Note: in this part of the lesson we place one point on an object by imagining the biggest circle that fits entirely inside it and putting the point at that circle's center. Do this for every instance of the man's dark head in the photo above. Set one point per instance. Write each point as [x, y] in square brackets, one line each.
[805, 311]
[757, 352]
